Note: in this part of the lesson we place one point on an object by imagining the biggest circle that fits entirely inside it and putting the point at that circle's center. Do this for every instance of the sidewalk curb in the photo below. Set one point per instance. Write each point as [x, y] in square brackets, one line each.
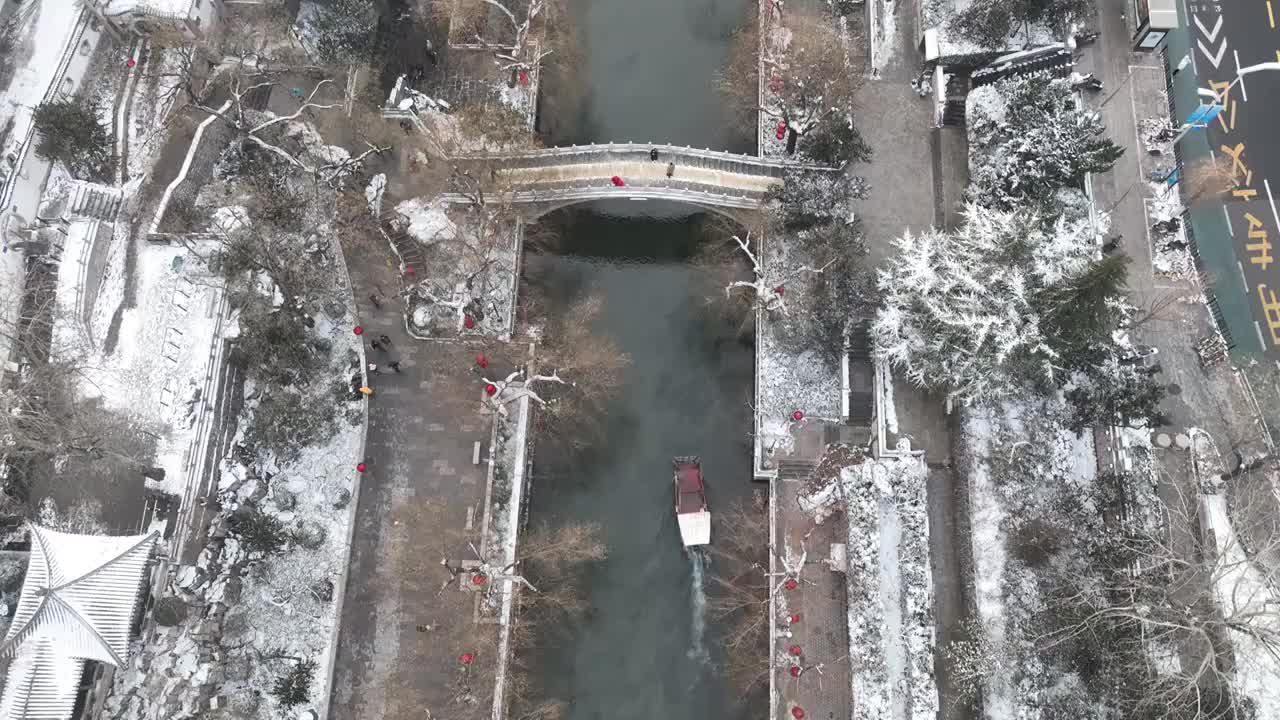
[325, 700]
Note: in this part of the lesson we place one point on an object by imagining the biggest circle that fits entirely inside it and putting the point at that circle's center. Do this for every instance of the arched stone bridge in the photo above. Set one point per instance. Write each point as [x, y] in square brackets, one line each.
[552, 178]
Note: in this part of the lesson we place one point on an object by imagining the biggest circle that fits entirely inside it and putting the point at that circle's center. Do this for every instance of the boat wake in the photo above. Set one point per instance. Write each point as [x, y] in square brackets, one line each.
[698, 562]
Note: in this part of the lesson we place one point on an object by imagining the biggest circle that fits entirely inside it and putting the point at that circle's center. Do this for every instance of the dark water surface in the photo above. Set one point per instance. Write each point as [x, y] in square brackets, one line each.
[643, 652]
[646, 650]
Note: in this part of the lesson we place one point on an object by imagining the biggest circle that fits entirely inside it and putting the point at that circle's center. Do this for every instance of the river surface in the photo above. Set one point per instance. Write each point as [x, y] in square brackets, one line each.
[646, 649]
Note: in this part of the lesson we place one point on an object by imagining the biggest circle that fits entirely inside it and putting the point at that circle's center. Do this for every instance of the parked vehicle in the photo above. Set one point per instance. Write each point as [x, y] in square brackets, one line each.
[692, 515]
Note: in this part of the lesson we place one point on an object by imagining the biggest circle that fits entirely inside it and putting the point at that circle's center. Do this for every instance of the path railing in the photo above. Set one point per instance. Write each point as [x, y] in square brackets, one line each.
[596, 189]
[636, 151]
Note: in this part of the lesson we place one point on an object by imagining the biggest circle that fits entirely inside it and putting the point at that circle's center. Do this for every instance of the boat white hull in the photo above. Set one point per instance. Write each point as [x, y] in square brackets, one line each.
[695, 528]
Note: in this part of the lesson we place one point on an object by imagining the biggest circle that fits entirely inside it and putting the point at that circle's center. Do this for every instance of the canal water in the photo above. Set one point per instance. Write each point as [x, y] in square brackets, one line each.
[647, 648]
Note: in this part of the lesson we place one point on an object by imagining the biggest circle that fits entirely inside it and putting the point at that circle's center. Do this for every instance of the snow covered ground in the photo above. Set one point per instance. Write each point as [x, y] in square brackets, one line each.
[891, 636]
[48, 33]
[1023, 468]
[890, 585]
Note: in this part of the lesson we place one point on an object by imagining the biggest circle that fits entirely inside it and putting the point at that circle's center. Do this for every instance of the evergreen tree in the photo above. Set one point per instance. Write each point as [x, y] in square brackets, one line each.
[992, 23]
[1114, 394]
[1034, 141]
[964, 311]
[70, 133]
[343, 31]
[1081, 314]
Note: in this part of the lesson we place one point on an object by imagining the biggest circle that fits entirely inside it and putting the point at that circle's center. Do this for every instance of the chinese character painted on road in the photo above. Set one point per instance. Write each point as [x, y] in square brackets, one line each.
[1271, 310]
[1260, 246]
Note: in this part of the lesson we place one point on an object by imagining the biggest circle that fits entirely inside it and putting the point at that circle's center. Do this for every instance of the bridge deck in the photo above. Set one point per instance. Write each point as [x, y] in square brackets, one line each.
[636, 173]
[580, 172]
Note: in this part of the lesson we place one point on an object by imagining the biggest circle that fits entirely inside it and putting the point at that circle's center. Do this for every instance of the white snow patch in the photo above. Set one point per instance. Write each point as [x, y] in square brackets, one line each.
[890, 585]
[1243, 590]
[428, 221]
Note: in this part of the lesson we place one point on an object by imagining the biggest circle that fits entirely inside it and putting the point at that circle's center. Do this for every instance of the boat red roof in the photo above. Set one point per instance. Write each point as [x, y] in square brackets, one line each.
[690, 479]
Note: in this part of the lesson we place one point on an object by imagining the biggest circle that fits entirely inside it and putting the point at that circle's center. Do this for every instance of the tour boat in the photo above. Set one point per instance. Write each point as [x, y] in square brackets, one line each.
[692, 515]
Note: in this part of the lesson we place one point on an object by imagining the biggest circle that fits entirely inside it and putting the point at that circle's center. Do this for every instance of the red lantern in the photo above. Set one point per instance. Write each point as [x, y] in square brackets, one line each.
[795, 618]
[360, 467]
[468, 322]
[795, 651]
[797, 415]
[131, 63]
[490, 389]
[478, 579]
[780, 290]
[795, 671]
[791, 584]
[617, 181]
[482, 361]
[357, 330]
[466, 658]
[524, 77]
[781, 132]
[775, 83]
[408, 270]
[797, 712]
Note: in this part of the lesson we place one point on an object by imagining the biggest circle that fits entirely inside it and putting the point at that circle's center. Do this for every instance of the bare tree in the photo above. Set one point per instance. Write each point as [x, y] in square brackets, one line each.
[573, 346]
[49, 428]
[517, 45]
[770, 286]
[739, 596]
[811, 77]
[1207, 177]
[1214, 608]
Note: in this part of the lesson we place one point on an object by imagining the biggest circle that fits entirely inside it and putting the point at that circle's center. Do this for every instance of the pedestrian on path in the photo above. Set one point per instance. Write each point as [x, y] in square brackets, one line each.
[386, 341]
[617, 181]
[376, 345]
[653, 154]
[395, 365]
[374, 299]
[671, 169]
[373, 368]
[366, 391]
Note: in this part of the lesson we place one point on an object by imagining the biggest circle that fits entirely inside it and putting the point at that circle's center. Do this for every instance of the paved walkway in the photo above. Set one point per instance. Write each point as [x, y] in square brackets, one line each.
[823, 688]
[634, 172]
[1208, 399]
[401, 634]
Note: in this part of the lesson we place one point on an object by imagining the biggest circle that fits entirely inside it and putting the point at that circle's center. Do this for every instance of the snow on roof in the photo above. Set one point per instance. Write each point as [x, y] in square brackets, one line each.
[41, 684]
[77, 603]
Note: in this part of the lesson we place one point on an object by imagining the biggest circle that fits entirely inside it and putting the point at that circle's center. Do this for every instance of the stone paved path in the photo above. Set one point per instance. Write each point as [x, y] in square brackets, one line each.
[401, 634]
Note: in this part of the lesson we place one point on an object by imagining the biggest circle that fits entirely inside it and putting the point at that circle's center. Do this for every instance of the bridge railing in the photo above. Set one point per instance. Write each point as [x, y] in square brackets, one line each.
[593, 189]
[666, 153]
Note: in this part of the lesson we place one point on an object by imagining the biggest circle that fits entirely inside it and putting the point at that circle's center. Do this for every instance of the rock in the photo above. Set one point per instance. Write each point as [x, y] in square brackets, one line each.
[169, 610]
[323, 589]
[342, 500]
[284, 500]
[189, 577]
[309, 534]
